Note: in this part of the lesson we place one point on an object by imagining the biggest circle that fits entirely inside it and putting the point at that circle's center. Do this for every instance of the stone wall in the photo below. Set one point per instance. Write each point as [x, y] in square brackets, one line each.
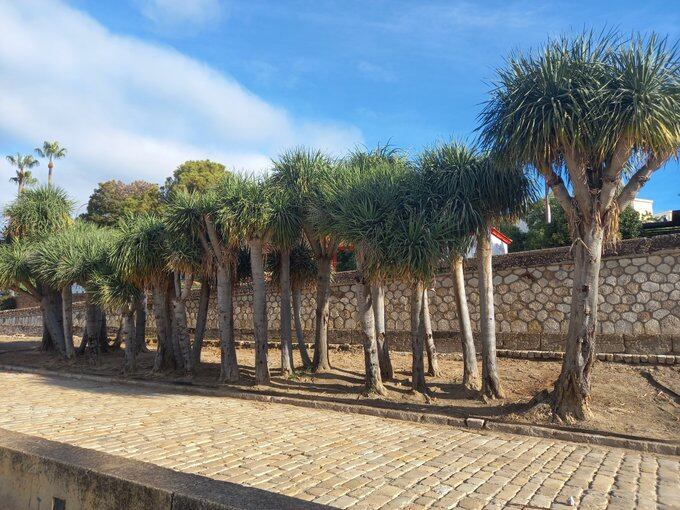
[639, 310]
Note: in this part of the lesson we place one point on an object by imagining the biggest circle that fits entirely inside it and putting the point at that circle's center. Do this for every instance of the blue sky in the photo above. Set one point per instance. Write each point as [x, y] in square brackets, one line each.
[134, 87]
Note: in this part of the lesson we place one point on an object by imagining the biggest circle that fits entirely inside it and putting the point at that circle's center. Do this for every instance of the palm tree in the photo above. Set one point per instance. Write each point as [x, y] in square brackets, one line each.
[365, 160]
[140, 254]
[24, 176]
[111, 290]
[286, 233]
[51, 151]
[352, 207]
[184, 217]
[443, 167]
[493, 192]
[250, 211]
[218, 236]
[306, 175]
[500, 192]
[303, 272]
[31, 218]
[584, 112]
[67, 257]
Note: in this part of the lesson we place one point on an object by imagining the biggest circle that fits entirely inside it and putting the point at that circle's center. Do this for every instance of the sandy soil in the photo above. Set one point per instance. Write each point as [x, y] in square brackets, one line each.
[638, 401]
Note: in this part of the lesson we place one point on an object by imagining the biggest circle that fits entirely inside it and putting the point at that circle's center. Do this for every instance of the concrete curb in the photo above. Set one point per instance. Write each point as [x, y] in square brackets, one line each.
[476, 423]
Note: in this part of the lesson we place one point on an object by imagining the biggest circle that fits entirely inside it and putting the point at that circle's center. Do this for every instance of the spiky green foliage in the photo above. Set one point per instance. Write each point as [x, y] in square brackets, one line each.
[110, 290]
[304, 172]
[141, 249]
[15, 267]
[588, 108]
[385, 207]
[72, 255]
[184, 220]
[364, 158]
[285, 223]
[485, 188]
[246, 208]
[38, 212]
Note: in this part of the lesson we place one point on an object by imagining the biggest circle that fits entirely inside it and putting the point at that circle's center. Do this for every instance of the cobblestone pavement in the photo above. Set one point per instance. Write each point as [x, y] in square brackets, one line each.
[343, 460]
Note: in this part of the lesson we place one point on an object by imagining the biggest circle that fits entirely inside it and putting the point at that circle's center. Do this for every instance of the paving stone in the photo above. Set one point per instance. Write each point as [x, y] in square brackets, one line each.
[341, 460]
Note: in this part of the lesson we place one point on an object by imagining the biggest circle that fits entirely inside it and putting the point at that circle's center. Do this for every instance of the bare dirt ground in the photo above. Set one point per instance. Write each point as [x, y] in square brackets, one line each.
[637, 401]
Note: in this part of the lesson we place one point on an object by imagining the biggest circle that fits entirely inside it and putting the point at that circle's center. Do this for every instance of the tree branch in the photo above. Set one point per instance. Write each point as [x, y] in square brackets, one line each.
[204, 242]
[313, 241]
[214, 239]
[188, 283]
[579, 181]
[612, 174]
[630, 190]
[560, 191]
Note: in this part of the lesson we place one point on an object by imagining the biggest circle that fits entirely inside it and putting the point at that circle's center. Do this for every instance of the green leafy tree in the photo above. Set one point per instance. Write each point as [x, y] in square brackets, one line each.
[596, 116]
[51, 151]
[114, 200]
[195, 176]
[630, 223]
[540, 235]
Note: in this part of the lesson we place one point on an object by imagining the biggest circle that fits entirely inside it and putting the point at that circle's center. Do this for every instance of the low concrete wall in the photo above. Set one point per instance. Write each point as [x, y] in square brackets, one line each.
[37, 474]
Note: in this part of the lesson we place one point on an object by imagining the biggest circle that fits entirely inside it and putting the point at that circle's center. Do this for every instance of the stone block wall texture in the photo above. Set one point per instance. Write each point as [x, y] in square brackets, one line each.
[639, 309]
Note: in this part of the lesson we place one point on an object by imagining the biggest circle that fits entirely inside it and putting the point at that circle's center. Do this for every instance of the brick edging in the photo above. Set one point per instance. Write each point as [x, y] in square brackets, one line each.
[471, 422]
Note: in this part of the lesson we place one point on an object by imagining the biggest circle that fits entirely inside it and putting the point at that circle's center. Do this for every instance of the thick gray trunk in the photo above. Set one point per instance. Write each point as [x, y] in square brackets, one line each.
[373, 381]
[572, 389]
[417, 366]
[46, 344]
[182, 335]
[175, 338]
[321, 361]
[93, 331]
[299, 333]
[165, 357]
[470, 371]
[491, 383]
[51, 307]
[432, 365]
[378, 298]
[201, 320]
[287, 364]
[225, 323]
[118, 340]
[103, 327]
[179, 311]
[67, 320]
[129, 336]
[140, 323]
[259, 312]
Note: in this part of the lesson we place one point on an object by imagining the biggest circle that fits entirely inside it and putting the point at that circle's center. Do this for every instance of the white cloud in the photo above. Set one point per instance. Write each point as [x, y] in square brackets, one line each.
[172, 13]
[130, 109]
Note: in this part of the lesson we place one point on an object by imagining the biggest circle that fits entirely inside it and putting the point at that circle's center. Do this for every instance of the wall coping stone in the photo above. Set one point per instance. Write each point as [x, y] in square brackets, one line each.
[112, 480]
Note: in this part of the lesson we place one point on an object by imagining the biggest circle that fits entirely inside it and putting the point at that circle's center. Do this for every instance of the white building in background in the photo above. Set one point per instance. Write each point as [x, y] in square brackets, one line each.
[643, 206]
[499, 244]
